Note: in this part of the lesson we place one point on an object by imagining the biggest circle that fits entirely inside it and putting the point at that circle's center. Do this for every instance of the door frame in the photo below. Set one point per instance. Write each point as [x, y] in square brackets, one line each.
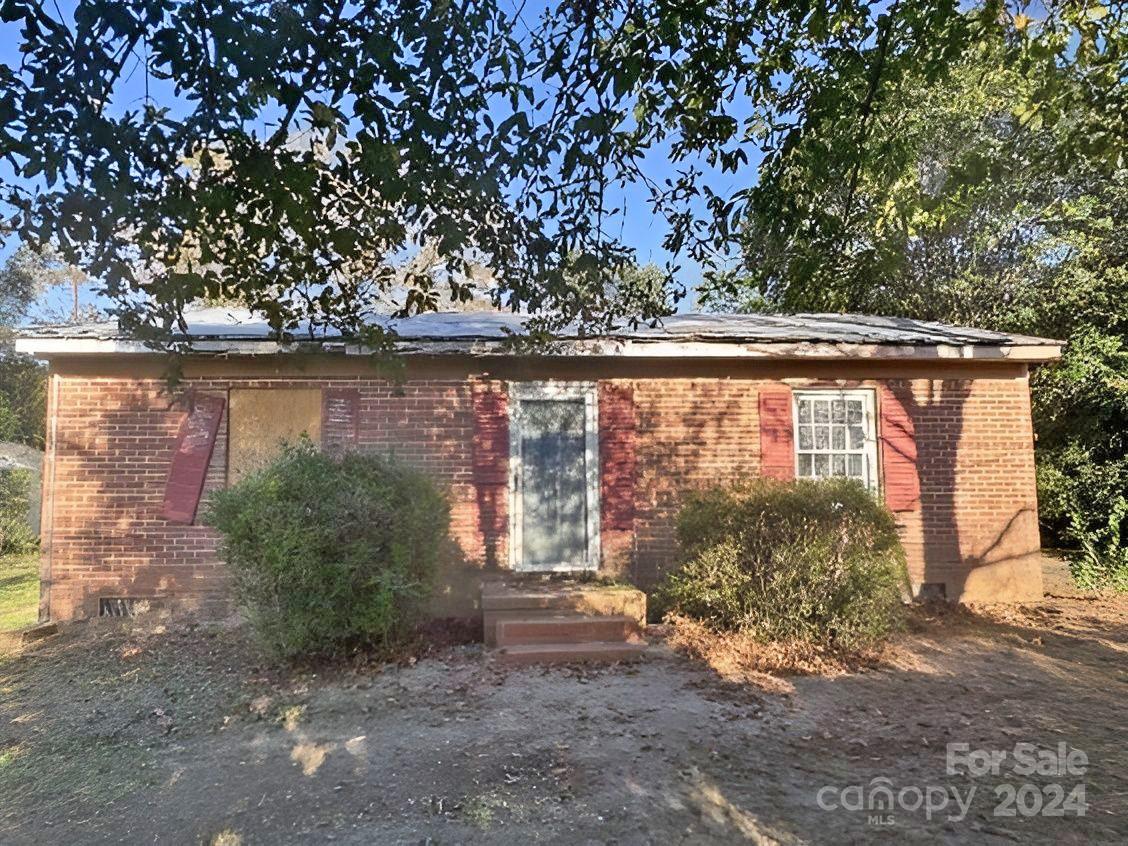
[587, 392]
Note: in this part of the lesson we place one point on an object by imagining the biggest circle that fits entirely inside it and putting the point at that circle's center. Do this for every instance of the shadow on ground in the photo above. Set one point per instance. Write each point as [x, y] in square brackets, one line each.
[142, 732]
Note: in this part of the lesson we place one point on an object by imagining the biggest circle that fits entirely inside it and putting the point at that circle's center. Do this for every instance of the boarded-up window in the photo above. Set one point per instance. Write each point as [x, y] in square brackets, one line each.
[261, 420]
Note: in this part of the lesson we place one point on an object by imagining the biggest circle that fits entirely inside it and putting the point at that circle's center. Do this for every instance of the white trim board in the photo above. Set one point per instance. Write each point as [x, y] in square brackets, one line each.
[608, 348]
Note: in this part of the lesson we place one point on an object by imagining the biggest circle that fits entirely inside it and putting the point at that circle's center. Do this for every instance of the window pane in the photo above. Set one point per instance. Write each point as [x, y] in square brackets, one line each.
[822, 437]
[833, 433]
[838, 437]
[806, 440]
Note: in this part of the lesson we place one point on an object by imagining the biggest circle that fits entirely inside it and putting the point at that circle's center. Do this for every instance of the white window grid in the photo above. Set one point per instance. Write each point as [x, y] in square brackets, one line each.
[835, 434]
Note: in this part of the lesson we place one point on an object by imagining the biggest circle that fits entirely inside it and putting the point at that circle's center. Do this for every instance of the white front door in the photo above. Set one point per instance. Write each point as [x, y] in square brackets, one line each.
[554, 453]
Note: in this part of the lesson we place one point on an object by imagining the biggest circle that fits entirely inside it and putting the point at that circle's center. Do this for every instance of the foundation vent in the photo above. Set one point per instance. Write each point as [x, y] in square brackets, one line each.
[116, 606]
[932, 591]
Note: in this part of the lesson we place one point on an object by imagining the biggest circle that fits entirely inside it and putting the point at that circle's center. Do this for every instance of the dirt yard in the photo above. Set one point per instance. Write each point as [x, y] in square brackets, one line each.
[150, 732]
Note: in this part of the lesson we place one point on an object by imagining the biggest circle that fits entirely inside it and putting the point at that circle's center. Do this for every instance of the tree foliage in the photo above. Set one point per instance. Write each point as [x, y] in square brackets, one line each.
[23, 399]
[27, 279]
[970, 208]
[1081, 414]
[16, 535]
[285, 155]
[19, 287]
[22, 379]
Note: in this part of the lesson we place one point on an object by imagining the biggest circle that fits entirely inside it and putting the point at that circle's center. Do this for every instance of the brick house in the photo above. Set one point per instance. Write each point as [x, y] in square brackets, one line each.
[572, 459]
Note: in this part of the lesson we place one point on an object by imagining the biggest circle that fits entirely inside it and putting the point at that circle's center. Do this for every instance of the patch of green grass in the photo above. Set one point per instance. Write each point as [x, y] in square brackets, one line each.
[9, 755]
[19, 590]
[479, 810]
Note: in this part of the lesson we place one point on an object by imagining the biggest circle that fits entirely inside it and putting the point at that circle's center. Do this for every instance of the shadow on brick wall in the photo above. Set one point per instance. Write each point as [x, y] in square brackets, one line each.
[982, 564]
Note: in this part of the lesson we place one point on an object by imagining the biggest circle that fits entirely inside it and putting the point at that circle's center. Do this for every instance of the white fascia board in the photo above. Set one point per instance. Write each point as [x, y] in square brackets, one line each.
[47, 347]
[809, 351]
[704, 349]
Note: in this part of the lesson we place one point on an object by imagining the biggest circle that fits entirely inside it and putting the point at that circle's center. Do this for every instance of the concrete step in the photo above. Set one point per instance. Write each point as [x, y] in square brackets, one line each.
[570, 653]
[595, 599]
[567, 628]
[502, 601]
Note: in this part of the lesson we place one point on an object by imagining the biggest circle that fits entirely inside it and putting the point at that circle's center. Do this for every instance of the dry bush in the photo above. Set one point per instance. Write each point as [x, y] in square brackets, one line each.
[814, 561]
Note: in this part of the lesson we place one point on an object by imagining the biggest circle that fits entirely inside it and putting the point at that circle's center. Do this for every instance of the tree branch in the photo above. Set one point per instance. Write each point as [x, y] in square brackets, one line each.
[866, 110]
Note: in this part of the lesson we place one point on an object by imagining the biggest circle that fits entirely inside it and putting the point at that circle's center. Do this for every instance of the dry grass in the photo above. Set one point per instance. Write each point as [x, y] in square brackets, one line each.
[738, 657]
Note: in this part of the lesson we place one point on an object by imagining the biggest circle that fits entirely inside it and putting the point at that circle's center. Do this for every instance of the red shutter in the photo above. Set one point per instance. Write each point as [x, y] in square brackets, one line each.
[490, 457]
[617, 460]
[191, 457]
[898, 454]
[340, 419]
[777, 449]
[491, 435]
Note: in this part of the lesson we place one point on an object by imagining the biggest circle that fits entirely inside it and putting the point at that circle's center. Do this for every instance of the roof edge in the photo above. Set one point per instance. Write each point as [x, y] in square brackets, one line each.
[1030, 350]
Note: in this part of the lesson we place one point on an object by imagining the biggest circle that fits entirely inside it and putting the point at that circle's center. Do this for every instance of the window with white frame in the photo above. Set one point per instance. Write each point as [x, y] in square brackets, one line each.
[835, 435]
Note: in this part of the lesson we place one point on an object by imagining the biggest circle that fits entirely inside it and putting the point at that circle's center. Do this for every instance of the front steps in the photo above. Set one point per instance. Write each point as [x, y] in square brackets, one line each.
[570, 653]
[554, 622]
[566, 628]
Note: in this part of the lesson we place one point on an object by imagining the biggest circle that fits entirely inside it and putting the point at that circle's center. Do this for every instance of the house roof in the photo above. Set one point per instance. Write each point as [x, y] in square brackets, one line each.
[235, 331]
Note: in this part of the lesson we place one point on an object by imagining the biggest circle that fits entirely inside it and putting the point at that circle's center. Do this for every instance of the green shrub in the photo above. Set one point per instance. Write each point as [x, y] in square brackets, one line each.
[818, 562]
[331, 554]
[1081, 416]
[1083, 495]
[23, 398]
[16, 534]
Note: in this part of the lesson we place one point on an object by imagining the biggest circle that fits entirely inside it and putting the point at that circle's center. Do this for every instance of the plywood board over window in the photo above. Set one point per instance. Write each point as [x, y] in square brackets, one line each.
[261, 420]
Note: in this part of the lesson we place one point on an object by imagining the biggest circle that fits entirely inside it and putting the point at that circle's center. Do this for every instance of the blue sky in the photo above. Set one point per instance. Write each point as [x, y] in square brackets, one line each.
[639, 227]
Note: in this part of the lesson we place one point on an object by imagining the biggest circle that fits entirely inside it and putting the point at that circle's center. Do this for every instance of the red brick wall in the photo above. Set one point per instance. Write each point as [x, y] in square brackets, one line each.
[975, 530]
[105, 536]
[692, 433]
[114, 441]
[618, 476]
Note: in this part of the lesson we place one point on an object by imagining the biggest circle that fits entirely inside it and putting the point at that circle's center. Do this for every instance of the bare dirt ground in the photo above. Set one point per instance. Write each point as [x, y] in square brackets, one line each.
[149, 732]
